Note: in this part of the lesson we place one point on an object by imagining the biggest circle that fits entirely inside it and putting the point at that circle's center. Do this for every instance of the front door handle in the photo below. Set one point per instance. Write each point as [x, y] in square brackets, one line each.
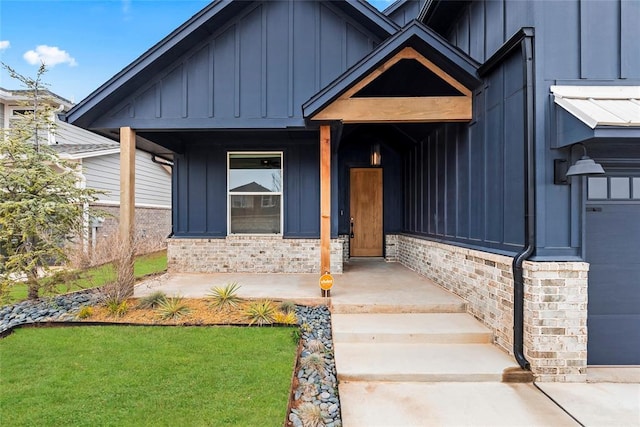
[351, 234]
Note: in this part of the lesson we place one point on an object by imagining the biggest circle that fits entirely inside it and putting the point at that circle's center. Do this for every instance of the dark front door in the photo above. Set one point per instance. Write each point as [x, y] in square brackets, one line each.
[613, 252]
[366, 212]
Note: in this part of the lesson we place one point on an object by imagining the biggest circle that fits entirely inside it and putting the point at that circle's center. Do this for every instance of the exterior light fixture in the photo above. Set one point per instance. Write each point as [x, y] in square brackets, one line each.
[376, 157]
[586, 166]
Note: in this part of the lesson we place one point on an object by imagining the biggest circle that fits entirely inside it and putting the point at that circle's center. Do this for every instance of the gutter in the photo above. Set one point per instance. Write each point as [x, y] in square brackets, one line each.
[161, 161]
[522, 40]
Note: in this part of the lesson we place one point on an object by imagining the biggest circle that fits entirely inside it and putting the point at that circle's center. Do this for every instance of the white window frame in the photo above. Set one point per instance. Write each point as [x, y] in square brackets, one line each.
[271, 193]
[15, 113]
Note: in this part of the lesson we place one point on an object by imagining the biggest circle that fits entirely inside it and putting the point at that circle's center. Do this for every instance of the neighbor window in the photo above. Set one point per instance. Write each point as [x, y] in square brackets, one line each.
[255, 193]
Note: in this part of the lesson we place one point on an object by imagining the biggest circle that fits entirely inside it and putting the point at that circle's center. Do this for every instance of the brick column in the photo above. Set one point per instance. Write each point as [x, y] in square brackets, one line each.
[555, 330]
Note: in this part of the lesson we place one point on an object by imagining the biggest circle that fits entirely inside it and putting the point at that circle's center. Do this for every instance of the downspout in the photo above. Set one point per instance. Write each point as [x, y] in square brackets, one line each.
[523, 40]
[529, 206]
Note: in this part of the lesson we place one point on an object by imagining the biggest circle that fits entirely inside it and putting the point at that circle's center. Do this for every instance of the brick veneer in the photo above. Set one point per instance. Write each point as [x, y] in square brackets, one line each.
[555, 313]
[150, 223]
[555, 317]
[250, 254]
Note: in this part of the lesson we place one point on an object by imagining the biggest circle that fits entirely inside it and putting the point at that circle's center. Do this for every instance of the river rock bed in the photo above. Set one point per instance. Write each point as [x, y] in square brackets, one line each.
[58, 308]
[317, 385]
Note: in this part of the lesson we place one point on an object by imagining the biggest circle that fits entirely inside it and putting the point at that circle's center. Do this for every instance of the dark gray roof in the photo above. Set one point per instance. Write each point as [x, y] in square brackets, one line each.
[79, 150]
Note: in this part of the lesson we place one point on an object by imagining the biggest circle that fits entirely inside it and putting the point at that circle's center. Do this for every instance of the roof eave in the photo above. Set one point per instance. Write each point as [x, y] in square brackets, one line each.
[146, 59]
[385, 25]
[385, 50]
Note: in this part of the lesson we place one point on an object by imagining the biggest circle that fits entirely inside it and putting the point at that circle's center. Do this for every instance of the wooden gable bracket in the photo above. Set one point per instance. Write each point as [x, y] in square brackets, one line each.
[420, 109]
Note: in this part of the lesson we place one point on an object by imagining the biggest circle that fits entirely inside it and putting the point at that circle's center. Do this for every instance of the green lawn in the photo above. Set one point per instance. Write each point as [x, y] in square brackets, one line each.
[97, 276]
[146, 376]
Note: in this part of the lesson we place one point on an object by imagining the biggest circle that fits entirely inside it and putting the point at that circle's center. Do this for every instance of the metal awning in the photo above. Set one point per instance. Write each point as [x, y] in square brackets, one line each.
[598, 106]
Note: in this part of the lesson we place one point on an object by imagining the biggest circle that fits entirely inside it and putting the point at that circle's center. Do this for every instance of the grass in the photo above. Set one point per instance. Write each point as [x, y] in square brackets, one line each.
[98, 276]
[146, 376]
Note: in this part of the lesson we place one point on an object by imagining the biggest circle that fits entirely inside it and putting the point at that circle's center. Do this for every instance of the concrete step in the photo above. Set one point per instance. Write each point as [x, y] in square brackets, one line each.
[387, 404]
[449, 305]
[420, 362]
[445, 328]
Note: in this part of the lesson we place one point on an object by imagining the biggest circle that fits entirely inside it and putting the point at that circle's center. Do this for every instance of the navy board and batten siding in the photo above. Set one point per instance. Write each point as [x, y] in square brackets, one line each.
[200, 176]
[254, 70]
[576, 42]
[463, 183]
[403, 12]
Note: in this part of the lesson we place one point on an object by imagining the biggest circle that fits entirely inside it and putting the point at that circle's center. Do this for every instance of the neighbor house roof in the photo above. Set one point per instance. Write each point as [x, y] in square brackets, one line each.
[85, 150]
[27, 95]
[73, 142]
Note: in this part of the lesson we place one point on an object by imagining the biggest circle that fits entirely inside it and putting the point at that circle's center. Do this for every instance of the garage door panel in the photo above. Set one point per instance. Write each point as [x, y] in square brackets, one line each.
[613, 252]
[617, 336]
[614, 289]
[608, 240]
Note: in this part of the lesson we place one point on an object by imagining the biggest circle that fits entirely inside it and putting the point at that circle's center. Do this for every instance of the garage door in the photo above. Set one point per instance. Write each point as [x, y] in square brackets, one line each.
[613, 252]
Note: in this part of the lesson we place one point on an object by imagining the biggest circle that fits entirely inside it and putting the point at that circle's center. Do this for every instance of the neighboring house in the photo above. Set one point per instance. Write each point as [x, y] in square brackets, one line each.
[440, 142]
[99, 159]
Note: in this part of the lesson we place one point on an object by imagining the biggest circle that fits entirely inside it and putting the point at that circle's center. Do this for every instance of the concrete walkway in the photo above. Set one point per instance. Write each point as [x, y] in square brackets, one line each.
[456, 393]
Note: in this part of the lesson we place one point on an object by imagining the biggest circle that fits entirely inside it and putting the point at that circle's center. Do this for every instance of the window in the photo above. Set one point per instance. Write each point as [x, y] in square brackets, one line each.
[255, 193]
[613, 188]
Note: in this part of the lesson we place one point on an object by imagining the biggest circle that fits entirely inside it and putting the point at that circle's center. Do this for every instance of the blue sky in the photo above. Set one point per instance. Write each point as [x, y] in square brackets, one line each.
[85, 42]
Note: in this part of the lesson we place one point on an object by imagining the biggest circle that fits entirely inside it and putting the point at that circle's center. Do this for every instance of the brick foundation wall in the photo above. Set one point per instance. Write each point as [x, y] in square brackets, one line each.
[150, 223]
[345, 247]
[391, 247]
[250, 254]
[555, 301]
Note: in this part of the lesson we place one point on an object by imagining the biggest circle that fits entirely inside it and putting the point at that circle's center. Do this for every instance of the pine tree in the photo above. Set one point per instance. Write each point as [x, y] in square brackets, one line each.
[42, 204]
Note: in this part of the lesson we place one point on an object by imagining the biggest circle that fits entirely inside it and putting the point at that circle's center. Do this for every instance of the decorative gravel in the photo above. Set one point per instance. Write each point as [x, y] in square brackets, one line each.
[316, 382]
[317, 386]
[59, 308]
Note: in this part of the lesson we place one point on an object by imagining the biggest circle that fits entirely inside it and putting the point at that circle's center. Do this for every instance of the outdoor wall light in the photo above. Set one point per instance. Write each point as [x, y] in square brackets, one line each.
[586, 166]
[376, 157]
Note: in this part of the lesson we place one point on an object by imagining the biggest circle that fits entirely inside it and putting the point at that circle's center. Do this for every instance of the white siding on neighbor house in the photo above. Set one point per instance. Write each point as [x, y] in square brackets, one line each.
[153, 182]
[2, 115]
[73, 135]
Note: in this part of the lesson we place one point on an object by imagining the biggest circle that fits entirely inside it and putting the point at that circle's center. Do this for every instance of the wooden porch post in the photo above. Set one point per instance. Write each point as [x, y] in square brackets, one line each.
[127, 182]
[325, 199]
[127, 195]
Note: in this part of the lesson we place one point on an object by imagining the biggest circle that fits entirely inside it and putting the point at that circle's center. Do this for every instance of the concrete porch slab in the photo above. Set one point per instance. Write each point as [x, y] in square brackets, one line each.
[447, 404]
[365, 286]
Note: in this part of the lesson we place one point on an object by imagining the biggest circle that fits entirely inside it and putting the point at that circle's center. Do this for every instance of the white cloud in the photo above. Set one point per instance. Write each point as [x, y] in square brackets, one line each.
[4, 44]
[126, 9]
[50, 55]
